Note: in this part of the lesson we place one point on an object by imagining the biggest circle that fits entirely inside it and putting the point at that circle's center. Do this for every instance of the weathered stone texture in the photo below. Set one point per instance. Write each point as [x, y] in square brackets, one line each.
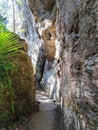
[70, 68]
[78, 35]
[43, 8]
[22, 84]
[49, 37]
[45, 17]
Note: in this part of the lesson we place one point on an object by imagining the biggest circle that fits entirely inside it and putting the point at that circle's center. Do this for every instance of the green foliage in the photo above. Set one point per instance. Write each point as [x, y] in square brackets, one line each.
[4, 117]
[3, 19]
[21, 15]
[6, 89]
[2, 27]
[8, 44]
[23, 30]
[19, 2]
[7, 67]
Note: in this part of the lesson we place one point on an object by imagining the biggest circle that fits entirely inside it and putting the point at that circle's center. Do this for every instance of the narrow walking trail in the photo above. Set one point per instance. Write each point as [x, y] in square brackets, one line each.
[48, 115]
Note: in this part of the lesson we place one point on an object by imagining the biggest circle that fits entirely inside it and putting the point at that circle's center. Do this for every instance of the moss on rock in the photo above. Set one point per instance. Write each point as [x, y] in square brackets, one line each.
[22, 85]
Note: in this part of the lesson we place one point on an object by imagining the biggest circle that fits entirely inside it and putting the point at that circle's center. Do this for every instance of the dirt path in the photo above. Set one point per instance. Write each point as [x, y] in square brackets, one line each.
[47, 118]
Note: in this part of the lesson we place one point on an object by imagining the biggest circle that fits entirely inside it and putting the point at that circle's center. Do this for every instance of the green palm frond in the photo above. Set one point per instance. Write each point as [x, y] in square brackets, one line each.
[8, 44]
[2, 27]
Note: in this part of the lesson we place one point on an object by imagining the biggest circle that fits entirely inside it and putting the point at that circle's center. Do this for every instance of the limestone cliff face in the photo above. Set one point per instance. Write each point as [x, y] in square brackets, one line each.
[77, 23]
[45, 19]
[68, 30]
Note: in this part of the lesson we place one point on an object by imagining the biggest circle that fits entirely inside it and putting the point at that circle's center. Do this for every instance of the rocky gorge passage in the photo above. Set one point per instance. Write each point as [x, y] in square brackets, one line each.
[47, 117]
[69, 69]
[62, 37]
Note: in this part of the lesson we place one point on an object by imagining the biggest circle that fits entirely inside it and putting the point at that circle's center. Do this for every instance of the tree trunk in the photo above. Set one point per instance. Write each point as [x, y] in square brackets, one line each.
[13, 15]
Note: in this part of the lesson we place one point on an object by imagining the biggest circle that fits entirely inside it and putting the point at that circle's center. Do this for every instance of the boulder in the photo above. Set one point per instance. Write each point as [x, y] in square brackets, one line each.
[23, 84]
[19, 93]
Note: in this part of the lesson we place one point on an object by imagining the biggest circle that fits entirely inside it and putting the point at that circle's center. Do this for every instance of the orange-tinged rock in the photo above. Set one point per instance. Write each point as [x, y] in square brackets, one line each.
[49, 37]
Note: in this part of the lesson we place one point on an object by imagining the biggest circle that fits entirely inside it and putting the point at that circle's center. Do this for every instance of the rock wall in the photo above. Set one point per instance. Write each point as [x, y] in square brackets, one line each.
[77, 30]
[45, 18]
[68, 58]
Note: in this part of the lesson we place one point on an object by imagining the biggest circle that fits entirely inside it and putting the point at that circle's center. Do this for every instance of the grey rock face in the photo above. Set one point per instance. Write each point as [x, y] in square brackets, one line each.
[77, 32]
[25, 27]
[45, 18]
[73, 71]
